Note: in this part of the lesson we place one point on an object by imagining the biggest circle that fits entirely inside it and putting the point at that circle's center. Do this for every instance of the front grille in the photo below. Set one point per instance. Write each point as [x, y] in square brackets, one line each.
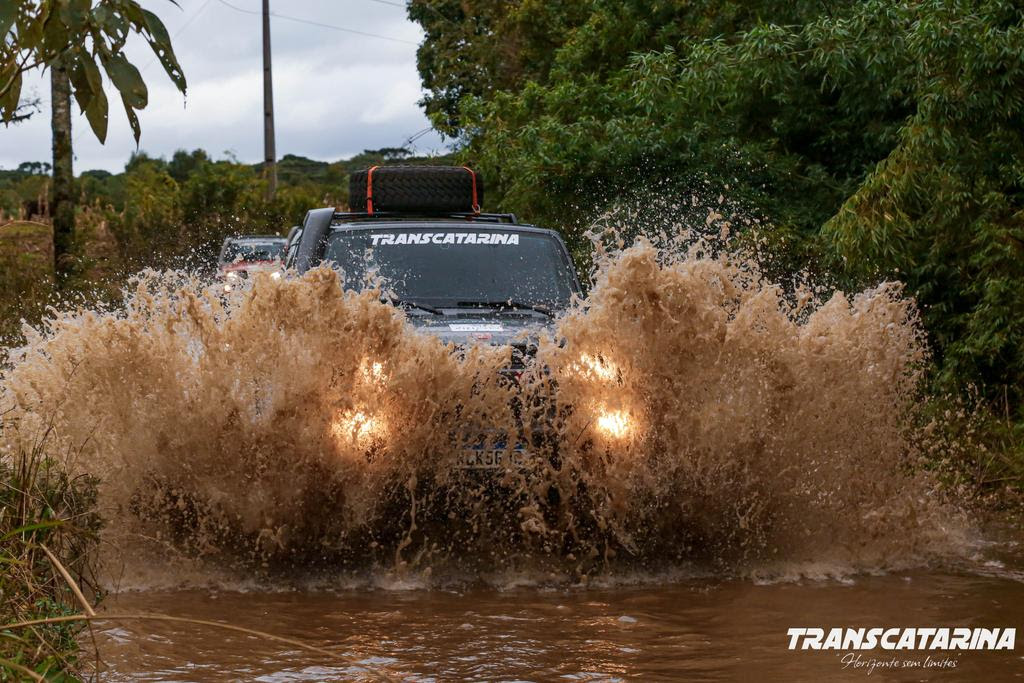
[520, 354]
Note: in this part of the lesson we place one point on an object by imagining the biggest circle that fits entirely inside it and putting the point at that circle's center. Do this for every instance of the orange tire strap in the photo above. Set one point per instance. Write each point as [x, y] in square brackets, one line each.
[472, 175]
[369, 190]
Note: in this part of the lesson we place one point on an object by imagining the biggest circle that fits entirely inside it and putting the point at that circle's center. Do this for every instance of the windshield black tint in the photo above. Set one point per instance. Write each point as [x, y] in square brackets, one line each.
[453, 266]
[253, 251]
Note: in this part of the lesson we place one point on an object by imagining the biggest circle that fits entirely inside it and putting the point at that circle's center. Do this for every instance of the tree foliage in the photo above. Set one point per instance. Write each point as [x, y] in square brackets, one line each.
[880, 138]
[175, 213]
[88, 38]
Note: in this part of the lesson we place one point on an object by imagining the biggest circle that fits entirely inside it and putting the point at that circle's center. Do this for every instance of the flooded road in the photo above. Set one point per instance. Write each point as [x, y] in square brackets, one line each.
[696, 629]
[690, 414]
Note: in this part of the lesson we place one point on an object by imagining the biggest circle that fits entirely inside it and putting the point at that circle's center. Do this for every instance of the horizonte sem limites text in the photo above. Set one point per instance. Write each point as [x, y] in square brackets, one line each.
[902, 638]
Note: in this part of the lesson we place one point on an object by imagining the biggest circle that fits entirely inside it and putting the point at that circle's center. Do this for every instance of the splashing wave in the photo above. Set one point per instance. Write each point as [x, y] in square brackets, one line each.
[687, 412]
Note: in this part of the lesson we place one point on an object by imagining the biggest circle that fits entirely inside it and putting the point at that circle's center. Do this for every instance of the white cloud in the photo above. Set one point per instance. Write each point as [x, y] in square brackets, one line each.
[335, 93]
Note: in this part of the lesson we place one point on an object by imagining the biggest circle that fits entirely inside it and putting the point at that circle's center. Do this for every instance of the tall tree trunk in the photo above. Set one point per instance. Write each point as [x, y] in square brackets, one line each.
[62, 203]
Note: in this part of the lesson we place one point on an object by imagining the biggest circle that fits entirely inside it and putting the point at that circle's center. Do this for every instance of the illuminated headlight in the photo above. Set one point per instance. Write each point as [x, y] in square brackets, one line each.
[598, 367]
[232, 275]
[227, 288]
[357, 427]
[276, 275]
[372, 371]
[614, 423]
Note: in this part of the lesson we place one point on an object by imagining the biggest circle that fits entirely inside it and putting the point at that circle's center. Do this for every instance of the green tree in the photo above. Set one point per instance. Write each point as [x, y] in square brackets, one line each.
[183, 164]
[151, 228]
[879, 138]
[74, 38]
[474, 47]
[83, 36]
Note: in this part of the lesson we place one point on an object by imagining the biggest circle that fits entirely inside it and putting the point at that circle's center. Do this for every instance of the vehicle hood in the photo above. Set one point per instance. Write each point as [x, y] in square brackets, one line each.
[249, 266]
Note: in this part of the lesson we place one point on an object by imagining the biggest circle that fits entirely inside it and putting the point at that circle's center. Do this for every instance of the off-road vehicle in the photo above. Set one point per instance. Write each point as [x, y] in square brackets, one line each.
[466, 276]
[463, 275]
[242, 255]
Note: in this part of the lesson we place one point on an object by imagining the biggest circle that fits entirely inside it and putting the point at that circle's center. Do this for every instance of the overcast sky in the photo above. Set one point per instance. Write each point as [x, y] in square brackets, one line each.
[335, 92]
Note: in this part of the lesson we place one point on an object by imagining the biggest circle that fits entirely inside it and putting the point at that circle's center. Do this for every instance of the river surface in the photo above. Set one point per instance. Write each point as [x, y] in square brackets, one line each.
[684, 629]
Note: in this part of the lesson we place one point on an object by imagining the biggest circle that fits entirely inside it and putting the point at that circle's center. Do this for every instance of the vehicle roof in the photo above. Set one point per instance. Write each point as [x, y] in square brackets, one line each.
[420, 223]
[253, 238]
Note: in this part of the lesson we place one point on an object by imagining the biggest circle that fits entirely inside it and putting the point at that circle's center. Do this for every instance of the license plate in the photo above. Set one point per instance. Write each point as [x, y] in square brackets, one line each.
[491, 458]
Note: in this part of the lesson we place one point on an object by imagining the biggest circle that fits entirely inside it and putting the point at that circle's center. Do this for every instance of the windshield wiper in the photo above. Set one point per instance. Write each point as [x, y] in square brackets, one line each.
[409, 303]
[509, 304]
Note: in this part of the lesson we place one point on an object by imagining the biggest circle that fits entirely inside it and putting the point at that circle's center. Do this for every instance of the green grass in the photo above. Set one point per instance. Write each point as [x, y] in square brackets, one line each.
[26, 273]
[42, 505]
[28, 246]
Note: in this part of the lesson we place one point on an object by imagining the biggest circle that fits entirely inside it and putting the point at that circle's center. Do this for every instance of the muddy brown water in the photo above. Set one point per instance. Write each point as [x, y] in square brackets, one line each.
[667, 629]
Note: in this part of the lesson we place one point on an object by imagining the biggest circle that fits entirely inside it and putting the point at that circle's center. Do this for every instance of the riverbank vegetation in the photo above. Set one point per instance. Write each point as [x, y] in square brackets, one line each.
[43, 511]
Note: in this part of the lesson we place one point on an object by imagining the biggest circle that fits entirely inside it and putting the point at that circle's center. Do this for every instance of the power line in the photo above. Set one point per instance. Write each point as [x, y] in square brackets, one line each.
[429, 6]
[406, 6]
[321, 24]
[181, 30]
[417, 135]
[411, 140]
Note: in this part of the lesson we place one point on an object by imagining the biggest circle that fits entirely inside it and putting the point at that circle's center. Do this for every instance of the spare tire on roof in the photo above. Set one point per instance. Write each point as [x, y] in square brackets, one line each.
[416, 189]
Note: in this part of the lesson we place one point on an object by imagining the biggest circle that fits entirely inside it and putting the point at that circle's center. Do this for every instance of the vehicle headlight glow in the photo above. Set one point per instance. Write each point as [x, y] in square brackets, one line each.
[372, 371]
[357, 427]
[598, 367]
[276, 275]
[614, 423]
[232, 275]
[227, 288]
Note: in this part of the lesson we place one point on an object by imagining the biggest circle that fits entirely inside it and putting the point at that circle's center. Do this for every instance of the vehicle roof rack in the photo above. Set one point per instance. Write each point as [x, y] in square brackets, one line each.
[419, 215]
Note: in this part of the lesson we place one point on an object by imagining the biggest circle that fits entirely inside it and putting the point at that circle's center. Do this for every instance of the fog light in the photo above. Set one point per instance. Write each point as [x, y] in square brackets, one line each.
[227, 288]
[614, 423]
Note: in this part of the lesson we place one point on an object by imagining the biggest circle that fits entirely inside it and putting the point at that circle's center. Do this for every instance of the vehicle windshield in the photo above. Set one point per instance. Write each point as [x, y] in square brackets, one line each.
[449, 266]
[253, 251]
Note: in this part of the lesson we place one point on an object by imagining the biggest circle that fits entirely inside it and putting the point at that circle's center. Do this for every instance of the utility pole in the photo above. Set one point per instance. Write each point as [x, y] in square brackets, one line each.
[269, 154]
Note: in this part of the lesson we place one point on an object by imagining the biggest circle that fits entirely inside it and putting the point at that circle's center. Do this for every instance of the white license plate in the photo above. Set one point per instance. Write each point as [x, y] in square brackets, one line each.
[491, 459]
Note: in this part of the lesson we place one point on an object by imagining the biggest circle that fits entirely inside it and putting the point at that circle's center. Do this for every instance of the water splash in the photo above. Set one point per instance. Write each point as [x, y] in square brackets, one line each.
[688, 412]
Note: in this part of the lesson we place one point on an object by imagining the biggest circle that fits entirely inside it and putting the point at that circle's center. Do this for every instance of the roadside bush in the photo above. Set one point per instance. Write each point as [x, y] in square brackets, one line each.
[42, 505]
[151, 224]
[26, 274]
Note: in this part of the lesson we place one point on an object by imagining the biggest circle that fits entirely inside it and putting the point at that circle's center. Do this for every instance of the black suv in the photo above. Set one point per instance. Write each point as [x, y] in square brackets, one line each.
[465, 276]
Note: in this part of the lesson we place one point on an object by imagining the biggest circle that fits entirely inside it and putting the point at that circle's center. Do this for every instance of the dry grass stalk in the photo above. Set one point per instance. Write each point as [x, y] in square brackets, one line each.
[201, 622]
